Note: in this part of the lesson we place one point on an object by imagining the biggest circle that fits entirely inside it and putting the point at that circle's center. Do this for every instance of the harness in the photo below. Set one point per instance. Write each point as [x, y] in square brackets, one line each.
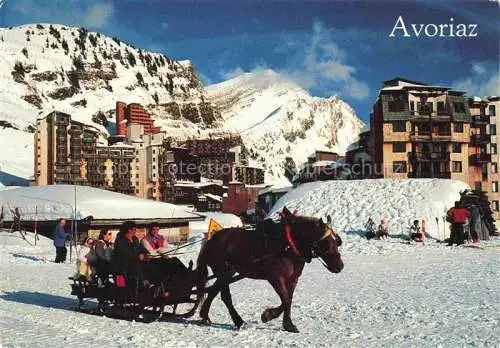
[293, 246]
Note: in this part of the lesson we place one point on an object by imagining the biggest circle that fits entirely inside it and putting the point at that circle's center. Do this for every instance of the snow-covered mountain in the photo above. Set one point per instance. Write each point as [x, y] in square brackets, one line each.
[47, 66]
[279, 119]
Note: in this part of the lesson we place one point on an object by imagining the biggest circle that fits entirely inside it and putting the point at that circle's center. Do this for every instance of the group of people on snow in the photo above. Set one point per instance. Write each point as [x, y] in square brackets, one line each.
[380, 233]
[128, 258]
[465, 224]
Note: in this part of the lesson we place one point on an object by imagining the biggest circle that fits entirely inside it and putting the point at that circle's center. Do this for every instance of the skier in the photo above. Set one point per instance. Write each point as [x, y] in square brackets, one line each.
[60, 241]
[370, 229]
[1, 218]
[458, 217]
[16, 224]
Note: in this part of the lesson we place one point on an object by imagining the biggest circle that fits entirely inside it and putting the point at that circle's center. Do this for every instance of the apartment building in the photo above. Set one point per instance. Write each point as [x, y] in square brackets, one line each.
[64, 150]
[146, 165]
[485, 140]
[133, 113]
[421, 131]
[69, 152]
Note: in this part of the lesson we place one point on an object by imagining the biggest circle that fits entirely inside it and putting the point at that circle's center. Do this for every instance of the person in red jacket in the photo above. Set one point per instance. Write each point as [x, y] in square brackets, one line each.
[458, 217]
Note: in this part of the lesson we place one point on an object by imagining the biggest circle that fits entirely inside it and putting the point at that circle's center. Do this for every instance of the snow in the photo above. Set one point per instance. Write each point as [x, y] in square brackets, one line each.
[351, 202]
[58, 201]
[16, 152]
[414, 297]
[279, 119]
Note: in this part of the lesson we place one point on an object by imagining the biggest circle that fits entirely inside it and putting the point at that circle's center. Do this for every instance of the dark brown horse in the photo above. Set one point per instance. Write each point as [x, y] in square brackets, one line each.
[277, 254]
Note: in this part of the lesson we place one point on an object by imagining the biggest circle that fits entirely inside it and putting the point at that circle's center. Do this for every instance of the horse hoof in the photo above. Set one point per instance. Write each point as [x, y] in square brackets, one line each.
[290, 328]
[266, 316]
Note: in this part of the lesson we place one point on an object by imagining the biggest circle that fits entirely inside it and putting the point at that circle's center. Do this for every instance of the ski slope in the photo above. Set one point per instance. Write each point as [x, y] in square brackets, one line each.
[389, 296]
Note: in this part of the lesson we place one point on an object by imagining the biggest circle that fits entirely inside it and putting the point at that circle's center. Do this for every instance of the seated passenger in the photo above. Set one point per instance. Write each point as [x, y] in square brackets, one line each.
[85, 259]
[104, 251]
[126, 249]
[154, 241]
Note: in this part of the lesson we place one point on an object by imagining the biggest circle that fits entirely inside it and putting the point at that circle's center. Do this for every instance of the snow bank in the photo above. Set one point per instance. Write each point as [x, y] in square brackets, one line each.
[226, 220]
[58, 201]
[351, 203]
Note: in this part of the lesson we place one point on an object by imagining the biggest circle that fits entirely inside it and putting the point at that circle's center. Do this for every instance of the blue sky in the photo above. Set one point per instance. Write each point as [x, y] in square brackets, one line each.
[327, 47]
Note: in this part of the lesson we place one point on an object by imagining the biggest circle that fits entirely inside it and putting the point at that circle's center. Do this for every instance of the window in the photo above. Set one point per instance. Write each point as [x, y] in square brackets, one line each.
[493, 129]
[137, 176]
[398, 126]
[154, 151]
[495, 206]
[491, 110]
[440, 106]
[494, 168]
[396, 105]
[478, 186]
[399, 167]
[494, 186]
[459, 107]
[493, 149]
[412, 105]
[457, 147]
[399, 147]
[458, 127]
[457, 166]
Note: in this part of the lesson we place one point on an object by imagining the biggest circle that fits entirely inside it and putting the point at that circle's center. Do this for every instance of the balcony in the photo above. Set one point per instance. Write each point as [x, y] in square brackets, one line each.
[442, 136]
[480, 159]
[429, 175]
[429, 156]
[480, 139]
[420, 136]
[480, 120]
[426, 116]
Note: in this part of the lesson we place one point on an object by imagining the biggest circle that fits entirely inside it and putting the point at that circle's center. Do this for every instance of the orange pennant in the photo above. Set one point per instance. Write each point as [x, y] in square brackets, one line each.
[213, 227]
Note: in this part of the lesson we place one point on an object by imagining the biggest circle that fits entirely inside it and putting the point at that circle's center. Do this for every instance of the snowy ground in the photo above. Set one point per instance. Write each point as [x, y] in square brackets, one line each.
[351, 202]
[389, 294]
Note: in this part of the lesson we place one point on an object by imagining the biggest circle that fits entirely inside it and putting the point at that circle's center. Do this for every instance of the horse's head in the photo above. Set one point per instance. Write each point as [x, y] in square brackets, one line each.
[315, 239]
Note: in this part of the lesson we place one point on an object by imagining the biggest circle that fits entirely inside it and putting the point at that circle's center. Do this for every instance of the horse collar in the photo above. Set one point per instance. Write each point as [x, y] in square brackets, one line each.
[291, 241]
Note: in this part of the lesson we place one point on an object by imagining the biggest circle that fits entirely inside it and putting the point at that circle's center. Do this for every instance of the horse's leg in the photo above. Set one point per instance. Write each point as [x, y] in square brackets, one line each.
[226, 298]
[287, 320]
[205, 307]
[271, 313]
[282, 287]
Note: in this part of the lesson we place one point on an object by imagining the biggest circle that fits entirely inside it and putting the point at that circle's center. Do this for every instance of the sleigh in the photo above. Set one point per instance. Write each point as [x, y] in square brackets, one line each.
[137, 300]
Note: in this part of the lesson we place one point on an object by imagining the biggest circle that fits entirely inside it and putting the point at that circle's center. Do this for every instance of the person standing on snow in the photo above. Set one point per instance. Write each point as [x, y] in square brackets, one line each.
[458, 217]
[474, 222]
[60, 241]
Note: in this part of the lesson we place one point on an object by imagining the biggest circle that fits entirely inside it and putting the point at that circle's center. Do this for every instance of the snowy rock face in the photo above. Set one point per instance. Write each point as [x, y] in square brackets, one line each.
[45, 67]
[279, 119]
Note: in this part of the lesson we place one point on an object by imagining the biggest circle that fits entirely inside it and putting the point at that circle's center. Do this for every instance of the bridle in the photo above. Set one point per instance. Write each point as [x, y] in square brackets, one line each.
[329, 232]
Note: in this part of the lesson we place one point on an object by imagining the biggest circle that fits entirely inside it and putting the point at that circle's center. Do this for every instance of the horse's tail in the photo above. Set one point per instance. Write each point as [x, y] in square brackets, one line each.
[202, 272]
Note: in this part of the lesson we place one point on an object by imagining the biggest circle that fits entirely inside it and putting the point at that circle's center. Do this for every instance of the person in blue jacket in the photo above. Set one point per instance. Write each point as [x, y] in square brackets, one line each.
[60, 241]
